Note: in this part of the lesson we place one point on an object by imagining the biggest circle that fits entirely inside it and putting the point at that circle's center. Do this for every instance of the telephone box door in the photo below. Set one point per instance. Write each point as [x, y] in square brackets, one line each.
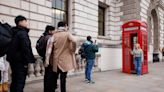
[145, 51]
[126, 60]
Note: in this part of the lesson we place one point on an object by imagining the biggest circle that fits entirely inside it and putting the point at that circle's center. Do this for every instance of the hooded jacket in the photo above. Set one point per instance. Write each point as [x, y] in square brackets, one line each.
[90, 49]
[20, 49]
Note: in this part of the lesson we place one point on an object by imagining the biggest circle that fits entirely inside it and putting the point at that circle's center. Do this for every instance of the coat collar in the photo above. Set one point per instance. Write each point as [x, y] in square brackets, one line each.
[60, 29]
[16, 28]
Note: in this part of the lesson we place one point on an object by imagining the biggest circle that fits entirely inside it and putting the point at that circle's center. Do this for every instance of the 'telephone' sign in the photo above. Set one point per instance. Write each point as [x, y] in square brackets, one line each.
[131, 28]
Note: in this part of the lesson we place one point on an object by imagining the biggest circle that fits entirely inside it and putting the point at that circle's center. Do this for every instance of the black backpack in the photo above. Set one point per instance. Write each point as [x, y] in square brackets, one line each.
[82, 51]
[6, 35]
[41, 45]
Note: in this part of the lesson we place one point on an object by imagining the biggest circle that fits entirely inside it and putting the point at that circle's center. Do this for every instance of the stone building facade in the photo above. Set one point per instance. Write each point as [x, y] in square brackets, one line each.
[102, 19]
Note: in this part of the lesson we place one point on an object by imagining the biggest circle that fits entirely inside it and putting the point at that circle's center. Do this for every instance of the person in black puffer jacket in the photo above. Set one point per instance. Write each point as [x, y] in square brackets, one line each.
[20, 54]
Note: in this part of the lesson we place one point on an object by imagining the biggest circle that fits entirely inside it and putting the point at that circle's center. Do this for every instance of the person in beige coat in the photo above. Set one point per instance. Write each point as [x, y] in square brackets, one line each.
[60, 51]
[4, 68]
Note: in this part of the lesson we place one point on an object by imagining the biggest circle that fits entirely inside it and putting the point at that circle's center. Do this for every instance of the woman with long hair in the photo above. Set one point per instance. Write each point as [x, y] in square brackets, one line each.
[138, 58]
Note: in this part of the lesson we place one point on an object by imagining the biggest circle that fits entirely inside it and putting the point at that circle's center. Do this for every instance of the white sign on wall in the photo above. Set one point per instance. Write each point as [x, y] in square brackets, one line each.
[143, 28]
[131, 28]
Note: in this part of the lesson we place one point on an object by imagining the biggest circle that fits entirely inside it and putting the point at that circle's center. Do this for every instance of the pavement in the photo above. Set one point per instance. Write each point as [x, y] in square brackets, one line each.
[113, 81]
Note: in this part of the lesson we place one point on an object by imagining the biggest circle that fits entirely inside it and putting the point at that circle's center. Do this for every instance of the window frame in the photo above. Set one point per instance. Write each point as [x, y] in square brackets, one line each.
[65, 10]
[101, 22]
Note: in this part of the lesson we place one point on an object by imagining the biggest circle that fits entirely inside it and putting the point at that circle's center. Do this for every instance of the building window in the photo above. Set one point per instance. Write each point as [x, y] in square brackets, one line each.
[60, 10]
[101, 21]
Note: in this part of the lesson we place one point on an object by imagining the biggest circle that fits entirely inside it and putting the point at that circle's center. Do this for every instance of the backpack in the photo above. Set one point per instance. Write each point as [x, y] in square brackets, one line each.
[5, 37]
[41, 45]
[82, 51]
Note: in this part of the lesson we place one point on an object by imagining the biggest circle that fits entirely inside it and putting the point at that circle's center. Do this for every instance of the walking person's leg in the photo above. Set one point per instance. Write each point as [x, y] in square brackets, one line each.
[54, 78]
[90, 66]
[56, 75]
[13, 80]
[86, 71]
[139, 66]
[135, 64]
[19, 73]
[63, 76]
[47, 80]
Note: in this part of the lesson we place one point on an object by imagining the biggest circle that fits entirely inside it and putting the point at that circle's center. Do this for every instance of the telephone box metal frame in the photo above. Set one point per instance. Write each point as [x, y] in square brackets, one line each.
[129, 28]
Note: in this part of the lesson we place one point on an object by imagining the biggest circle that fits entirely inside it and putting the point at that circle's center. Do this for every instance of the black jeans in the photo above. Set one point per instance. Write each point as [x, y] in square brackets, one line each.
[63, 76]
[19, 73]
[50, 80]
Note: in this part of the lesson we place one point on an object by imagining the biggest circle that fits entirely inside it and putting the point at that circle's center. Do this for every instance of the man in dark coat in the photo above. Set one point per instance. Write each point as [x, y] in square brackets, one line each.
[20, 54]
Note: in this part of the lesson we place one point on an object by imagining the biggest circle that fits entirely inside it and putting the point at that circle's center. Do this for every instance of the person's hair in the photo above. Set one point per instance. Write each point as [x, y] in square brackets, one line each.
[62, 24]
[19, 18]
[48, 28]
[89, 38]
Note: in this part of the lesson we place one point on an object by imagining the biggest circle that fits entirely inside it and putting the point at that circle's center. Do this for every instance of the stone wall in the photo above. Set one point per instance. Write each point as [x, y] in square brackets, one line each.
[161, 18]
[146, 9]
[85, 18]
[114, 21]
[131, 10]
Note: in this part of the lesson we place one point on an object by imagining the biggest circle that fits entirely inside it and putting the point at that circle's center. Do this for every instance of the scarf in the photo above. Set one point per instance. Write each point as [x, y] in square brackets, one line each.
[60, 29]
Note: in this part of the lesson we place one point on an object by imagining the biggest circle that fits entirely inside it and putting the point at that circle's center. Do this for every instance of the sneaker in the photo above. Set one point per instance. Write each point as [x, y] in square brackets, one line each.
[86, 80]
[91, 82]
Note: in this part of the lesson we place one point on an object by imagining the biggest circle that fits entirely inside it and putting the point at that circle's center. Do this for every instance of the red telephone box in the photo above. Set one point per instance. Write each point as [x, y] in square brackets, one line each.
[134, 31]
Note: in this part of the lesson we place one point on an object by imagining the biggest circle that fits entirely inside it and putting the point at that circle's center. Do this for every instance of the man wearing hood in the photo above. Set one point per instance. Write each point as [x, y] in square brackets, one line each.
[90, 50]
[20, 54]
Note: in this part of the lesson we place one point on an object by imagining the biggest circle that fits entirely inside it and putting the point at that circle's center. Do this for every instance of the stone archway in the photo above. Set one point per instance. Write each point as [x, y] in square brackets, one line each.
[155, 30]
[153, 25]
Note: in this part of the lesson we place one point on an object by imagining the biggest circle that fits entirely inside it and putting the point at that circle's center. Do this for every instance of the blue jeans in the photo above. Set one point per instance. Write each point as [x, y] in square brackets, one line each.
[88, 68]
[138, 65]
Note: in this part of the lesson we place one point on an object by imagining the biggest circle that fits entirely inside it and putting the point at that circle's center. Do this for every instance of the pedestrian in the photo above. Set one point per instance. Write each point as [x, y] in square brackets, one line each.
[50, 83]
[4, 74]
[90, 50]
[20, 54]
[138, 58]
[163, 54]
[62, 46]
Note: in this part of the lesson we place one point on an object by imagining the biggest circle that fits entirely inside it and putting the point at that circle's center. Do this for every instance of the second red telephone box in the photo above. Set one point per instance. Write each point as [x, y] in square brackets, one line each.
[134, 31]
